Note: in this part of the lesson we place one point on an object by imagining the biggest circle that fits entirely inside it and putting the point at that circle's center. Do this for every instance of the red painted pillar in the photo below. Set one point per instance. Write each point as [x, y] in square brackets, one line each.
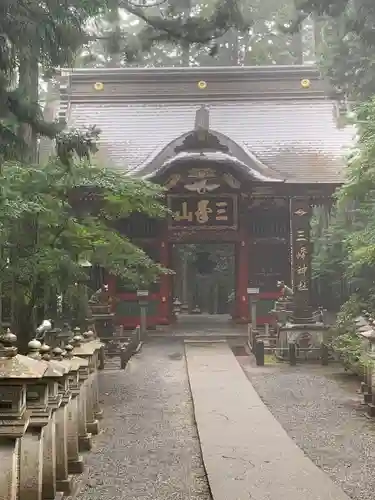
[165, 284]
[242, 281]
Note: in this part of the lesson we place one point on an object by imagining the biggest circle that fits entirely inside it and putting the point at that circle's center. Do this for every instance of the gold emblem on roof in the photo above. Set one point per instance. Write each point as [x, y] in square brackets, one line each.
[202, 84]
[305, 83]
[98, 86]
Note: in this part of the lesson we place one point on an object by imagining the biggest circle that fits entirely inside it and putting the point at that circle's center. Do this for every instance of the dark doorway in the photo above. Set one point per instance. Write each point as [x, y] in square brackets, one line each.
[204, 282]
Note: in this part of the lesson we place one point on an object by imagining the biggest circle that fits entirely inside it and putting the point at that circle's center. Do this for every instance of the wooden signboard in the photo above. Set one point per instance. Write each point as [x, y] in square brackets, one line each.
[203, 211]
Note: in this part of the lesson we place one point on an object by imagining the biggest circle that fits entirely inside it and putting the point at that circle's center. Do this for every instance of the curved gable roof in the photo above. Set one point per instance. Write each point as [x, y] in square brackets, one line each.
[212, 146]
[292, 130]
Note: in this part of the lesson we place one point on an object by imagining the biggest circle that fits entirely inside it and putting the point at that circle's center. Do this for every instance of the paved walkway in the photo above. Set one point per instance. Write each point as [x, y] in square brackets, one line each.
[322, 409]
[149, 448]
[246, 452]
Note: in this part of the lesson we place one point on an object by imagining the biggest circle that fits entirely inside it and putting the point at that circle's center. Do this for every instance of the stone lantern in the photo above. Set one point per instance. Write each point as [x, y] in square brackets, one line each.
[22, 388]
[52, 449]
[64, 481]
[86, 351]
[94, 412]
[75, 427]
[13, 415]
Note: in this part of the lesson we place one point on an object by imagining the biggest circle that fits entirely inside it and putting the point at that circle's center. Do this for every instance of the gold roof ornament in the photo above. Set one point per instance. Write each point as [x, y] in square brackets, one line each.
[305, 83]
[98, 86]
[202, 84]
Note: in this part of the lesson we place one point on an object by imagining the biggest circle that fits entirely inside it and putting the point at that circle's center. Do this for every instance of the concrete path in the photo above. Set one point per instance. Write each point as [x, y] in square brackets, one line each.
[246, 452]
[149, 447]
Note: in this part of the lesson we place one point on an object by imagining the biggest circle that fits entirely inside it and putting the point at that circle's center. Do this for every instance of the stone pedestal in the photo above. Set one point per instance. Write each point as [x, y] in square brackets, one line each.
[84, 438]
[91, 420]
[11, 433]
[307, 337]
[49, 460]
[88, 349]
[75, 462]
[31, 465]
[63, 480]
[98, 412]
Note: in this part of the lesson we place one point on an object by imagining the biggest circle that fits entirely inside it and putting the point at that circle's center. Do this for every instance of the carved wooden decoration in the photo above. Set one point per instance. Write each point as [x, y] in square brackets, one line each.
[173, 181]
[201, 173]
[231, 181]
[202, 186]
[199, 141]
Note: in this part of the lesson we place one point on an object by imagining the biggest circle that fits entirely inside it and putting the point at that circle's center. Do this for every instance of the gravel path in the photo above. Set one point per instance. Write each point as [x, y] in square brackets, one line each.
[149, 449]
[321, 409]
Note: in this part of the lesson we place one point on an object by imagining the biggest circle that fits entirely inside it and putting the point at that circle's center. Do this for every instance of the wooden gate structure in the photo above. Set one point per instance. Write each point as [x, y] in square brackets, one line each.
[245, 154]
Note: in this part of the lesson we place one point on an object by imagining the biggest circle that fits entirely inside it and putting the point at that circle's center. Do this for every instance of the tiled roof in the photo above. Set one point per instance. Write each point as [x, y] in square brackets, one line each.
[294, 135]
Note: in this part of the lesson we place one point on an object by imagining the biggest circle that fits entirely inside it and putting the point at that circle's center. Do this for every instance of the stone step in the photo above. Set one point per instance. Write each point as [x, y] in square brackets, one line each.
[208, 337]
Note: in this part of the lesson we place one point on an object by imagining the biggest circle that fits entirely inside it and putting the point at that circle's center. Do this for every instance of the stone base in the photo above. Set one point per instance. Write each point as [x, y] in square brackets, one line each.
[65, 486]
[76, 467]
[367, 397]
[307, 337]
[99, 414]
[371, 409]
[93, 427]
[85, 442]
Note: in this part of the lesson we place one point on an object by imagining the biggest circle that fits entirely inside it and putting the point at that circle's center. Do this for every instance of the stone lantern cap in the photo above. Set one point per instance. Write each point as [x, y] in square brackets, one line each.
[82, 348]
[93, 340]
[16, 366]
[55, 369]
[77, 363]
[56, 362]
[41, 352]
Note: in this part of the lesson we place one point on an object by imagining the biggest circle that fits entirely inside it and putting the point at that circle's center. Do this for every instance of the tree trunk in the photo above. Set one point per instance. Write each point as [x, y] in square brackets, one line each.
[185, 45]
[297, 47]
[29, 87]
[24, 325]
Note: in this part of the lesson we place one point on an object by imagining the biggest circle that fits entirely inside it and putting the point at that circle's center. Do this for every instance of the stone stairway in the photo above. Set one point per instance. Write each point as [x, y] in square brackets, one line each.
[203, 327]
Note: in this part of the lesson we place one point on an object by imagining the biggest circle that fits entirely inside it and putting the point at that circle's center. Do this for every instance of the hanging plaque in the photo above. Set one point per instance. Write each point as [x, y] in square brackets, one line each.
[204, 211]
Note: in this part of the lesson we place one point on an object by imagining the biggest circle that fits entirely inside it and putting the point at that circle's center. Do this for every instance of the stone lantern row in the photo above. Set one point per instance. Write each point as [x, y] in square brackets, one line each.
[49, 411]
[365, 330]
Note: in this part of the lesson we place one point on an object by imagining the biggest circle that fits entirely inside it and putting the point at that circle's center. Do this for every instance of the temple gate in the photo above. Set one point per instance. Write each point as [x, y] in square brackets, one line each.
[244, 153]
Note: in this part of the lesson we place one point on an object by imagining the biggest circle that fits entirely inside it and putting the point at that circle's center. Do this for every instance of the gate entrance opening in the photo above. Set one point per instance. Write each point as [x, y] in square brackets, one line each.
[204, 279]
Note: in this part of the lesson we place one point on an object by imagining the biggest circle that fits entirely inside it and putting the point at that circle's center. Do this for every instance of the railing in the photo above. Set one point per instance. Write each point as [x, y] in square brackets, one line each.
[284, 347]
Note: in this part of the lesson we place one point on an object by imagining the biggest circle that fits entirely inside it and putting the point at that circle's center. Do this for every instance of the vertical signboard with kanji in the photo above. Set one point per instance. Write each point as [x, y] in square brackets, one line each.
[300, 213]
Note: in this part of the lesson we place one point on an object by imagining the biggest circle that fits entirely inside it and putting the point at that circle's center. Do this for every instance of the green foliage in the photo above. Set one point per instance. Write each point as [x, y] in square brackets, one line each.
[34, 35]
[248, 35]
[346, 42]
[346, 248]
[52, 218]
[344, 339]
